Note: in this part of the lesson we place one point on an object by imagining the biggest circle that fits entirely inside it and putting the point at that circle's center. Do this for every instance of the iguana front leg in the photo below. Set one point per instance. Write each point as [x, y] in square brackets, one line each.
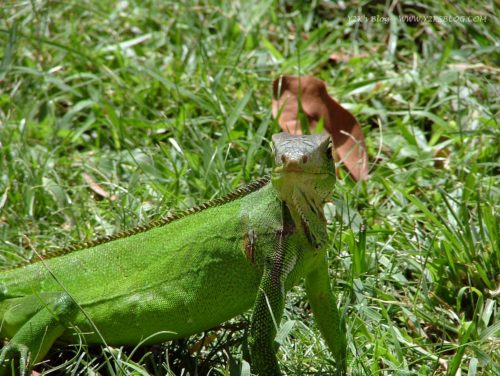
[268, 310]
[35, 323]
[326, 314]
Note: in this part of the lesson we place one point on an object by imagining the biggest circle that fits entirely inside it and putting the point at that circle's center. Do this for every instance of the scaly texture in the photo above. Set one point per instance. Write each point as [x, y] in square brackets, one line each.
[188, 273]
[240, 192]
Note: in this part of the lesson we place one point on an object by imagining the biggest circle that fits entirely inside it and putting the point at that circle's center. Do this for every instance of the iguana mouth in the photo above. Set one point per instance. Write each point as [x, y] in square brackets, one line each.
[282, 171]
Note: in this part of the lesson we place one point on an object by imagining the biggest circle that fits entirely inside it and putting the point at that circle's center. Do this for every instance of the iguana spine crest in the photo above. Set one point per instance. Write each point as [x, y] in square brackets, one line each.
[234, 195]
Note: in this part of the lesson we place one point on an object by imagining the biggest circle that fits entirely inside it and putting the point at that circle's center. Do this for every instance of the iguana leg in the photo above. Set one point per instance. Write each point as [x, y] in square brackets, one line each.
[268, 310]
[326, 314]
[34, 323]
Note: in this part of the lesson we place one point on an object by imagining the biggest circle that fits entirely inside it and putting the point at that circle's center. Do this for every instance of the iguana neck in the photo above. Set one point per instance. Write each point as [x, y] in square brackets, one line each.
[307, 214]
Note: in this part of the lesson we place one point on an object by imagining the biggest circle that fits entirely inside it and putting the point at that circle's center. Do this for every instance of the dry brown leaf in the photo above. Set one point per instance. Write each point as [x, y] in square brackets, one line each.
[348, 139]
[96, 188]
[479, 66]
[204, 342]
[442, 158]
[342, 57]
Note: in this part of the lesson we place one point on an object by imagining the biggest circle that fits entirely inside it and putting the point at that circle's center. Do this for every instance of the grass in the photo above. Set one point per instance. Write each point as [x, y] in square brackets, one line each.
[112, 113]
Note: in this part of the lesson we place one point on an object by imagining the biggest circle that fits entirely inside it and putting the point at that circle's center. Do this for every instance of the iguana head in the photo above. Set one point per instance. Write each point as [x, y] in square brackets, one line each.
[303, 163]
[304, 176]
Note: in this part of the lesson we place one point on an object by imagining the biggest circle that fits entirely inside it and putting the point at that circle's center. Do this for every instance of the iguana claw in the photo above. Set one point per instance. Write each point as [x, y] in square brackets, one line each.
[11, 349]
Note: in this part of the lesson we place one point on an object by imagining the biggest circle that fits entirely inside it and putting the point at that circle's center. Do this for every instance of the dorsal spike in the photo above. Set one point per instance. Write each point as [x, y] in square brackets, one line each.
[240, 192]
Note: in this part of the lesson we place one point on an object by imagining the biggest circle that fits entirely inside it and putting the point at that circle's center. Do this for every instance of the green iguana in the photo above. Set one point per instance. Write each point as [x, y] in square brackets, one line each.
[189, 272]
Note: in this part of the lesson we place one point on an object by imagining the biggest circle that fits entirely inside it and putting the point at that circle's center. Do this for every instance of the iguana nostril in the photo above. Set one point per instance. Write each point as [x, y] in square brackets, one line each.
[293, 165]
[304, 159]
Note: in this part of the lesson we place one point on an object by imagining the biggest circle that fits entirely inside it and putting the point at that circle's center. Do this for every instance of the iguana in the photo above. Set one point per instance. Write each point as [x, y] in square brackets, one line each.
[189, 272]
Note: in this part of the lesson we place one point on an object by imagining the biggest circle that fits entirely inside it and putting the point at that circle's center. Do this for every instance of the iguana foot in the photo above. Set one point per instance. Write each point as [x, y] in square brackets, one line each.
[36, 321]
[13, 351]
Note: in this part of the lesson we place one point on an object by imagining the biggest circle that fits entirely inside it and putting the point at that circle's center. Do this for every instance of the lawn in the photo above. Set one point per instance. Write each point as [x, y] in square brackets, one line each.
[113, 113]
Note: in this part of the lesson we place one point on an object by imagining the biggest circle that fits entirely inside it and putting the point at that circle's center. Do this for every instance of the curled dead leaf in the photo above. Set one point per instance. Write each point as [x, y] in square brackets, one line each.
[290, 92]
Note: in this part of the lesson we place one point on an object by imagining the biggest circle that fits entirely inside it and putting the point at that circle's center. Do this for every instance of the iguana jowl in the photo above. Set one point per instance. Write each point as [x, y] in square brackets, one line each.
[189, 272]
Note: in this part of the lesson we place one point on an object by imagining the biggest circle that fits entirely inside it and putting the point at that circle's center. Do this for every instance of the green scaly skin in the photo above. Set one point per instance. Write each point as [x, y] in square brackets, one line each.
[190, 272]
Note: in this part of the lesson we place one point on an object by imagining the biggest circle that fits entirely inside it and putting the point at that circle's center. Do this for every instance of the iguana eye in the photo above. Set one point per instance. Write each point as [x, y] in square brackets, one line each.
[329, 154]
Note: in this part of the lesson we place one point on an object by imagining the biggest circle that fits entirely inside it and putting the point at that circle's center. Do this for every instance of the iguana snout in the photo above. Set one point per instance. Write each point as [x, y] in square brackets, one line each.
[294, 163]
